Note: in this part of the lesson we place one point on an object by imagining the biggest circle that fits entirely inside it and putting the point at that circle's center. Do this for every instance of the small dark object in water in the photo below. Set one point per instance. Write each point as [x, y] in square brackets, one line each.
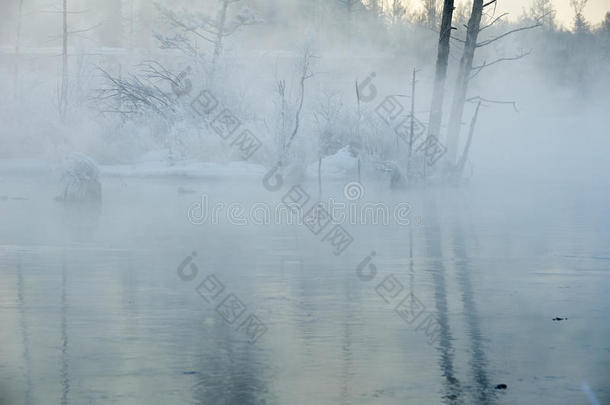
[560, 319]
[184, 190]
[190, 372]
[501, 386]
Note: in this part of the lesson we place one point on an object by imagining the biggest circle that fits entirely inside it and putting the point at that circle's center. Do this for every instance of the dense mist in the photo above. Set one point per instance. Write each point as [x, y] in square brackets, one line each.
[304, 202]
[557, 79]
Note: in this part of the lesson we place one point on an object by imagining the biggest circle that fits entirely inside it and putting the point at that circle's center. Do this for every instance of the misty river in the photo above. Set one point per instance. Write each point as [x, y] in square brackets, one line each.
[489, 294]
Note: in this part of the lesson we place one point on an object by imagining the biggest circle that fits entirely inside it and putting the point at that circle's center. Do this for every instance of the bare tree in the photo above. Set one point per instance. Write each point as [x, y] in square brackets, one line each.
[581, 25]
[63, 90]
[278, 126]
[412, 123]
[462, 162]
[212, 30]
[544, 10]
[442, 60]
[220, 28]
[325, 116]
[459, 96]
[305, 74]
[465, 72]
[281, 92]
[138, 94]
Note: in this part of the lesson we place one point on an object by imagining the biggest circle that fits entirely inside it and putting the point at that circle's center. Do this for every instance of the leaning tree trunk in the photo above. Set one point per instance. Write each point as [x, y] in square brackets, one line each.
[442, 60]
[462, 162]
[463, 78]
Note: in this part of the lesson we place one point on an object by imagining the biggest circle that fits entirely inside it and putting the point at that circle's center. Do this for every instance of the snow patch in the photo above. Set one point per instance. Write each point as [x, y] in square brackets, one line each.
[341, 164]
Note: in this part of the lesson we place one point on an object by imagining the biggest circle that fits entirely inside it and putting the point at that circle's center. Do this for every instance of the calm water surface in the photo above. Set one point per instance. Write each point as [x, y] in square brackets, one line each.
[93, 311]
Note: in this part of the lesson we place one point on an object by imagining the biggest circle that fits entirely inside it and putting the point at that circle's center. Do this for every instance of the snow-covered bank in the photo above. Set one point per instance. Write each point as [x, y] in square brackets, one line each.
[342, 164]
[184, 169]
[156, 164]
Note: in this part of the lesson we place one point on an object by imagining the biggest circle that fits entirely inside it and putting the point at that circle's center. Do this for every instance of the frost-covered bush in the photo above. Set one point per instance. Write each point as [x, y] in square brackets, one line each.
[80, 180]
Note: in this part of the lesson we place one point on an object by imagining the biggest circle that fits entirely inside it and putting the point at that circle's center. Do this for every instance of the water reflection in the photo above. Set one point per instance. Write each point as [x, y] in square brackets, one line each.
[96, 312]
[25, 340]
[478, 362]
[230, 372]
[64, 371]
[433, 238]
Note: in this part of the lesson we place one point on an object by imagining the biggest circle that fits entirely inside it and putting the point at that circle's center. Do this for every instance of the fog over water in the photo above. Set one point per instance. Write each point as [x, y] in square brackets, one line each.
[246, 203]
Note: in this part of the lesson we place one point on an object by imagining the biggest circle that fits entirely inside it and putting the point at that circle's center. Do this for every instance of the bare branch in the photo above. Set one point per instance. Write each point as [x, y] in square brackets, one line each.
[489, 41]
[202, 23]
[135, 96]
[478, 99]
[178, 42]
[458, 39]
[477, 69]
[494, 21]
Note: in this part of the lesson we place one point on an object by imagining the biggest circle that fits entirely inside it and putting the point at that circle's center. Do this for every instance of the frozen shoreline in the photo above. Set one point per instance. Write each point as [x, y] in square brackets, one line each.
[155, 164]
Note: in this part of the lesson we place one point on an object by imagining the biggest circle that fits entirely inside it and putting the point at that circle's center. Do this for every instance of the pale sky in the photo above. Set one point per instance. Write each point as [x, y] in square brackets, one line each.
[594, 11]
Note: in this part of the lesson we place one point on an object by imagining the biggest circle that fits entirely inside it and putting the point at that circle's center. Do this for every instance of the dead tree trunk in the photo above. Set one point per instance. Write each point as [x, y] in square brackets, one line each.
[305, 75]
[442, 60]
[63, 92]
[464, 158]
[461, 85]
[222, 21]
[358, 136]
[411, 128]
